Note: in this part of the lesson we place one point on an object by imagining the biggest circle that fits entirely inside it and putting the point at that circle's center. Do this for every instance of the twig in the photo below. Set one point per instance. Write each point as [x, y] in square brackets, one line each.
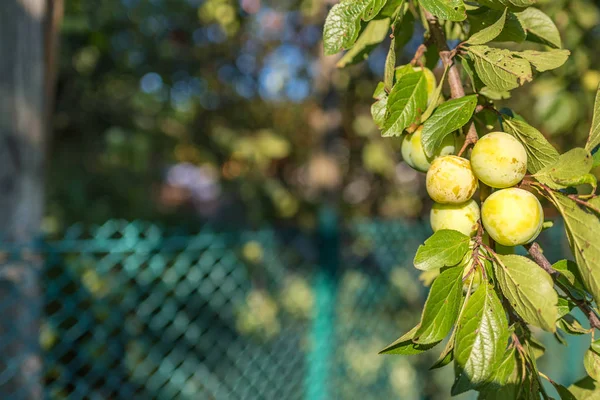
[419, 54]
[535, 252]
[472, 138]
[454, 81]
[584, 203]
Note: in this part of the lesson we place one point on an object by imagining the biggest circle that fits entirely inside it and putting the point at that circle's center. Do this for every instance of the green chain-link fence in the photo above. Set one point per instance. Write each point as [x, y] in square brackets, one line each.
[138, 311]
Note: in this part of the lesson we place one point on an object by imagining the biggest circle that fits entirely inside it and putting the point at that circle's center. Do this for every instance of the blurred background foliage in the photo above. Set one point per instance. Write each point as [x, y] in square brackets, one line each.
[226, 110]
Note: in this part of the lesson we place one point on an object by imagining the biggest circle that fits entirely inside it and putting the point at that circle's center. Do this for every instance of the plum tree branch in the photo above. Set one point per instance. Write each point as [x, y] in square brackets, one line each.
[457, 89]
[535, 251]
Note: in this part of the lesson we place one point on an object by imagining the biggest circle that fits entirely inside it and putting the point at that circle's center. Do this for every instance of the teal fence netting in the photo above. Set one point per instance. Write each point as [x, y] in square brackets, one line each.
[138, 311]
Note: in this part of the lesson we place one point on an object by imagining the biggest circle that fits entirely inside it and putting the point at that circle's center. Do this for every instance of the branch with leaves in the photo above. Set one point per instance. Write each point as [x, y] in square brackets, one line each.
[485, 298]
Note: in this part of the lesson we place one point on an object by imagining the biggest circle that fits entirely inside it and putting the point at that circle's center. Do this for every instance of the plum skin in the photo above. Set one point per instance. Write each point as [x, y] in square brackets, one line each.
[499, 160]
[512, 217]
[462, 217]
[450, 180]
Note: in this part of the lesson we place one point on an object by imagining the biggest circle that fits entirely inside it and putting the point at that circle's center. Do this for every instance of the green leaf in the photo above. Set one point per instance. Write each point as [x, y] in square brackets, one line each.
[529, 289]
[448, 117]
[499, 69]
[481, 339]
[373, 8]
[342, 25]
[564, 307]
[582, 231]
[539, 27]
[563, 392]
[545, 60]
[540, 153]
[447, 354]
[489, 33]
[591, 362]
[536, 348]
[596, 159]
[435, 97]
[390, 65]
[577, 181]
[568, 168]
[586, 389]
[390, 8]
[503, 383]
[594, 138]
[374, 33]
[493, 94]
[511, 4]
[595, 346]
[569, 274]
[405, 346]
[378, 110]
[407, 100]
[484, 17]
[451, 10]
[442, 307]
[571, 325]
[445, 248]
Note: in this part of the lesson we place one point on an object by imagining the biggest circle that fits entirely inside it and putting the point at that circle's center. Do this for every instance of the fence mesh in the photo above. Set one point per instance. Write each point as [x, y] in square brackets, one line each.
[137, 311]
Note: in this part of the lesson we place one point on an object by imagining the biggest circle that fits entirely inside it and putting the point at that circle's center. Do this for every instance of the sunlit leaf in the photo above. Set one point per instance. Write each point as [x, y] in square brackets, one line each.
[481, 339]
[539, 27]
[529, 289]
[500, 69]
[442, 306]
[452, 10]
[444, 248]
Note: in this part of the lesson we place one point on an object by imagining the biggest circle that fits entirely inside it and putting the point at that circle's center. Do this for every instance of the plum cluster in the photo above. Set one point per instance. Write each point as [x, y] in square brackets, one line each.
[510, 215]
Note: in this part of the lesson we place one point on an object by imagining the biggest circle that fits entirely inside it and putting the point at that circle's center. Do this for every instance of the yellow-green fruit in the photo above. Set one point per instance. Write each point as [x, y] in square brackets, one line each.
[459, 217]
[499, 248]
[499, 160]
[512, 216]
[450, 180]
[414, 155]
[431, 82]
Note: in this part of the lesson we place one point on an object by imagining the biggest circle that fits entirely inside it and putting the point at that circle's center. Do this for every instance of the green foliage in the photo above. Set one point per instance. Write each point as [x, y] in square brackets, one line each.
[582, 230]
[539, 27]
[489, 33]
[445, 248]
[594, 138]
[481, 339]
[447, 118]
[407, 100]
[343, 23]
[441, 308]
[452, 10]
[529, 289]
[406, 346]
[488, 299]
[373, 34]
[500, 69]
[569, 168]
[540, 153]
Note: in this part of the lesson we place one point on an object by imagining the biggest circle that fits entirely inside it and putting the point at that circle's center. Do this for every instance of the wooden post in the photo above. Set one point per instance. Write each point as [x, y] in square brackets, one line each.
[22, 148]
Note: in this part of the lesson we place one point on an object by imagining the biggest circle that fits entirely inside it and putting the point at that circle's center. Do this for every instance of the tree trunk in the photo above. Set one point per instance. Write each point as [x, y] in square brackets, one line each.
[22, 145]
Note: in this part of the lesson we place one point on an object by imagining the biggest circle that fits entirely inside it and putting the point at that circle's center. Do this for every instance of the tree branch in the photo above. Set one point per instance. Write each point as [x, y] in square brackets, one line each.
[535, 252]
[454, 81]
